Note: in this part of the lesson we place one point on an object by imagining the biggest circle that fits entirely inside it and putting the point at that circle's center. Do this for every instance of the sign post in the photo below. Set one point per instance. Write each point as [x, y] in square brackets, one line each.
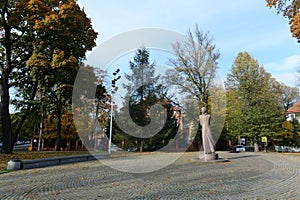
[265, 140]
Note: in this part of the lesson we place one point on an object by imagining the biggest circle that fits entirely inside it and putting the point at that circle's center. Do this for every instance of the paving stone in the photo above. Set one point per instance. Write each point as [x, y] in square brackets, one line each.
[245, 176]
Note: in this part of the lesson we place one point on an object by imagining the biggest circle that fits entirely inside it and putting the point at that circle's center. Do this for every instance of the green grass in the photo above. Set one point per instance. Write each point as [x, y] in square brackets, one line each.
[5, 171]
[4, 158]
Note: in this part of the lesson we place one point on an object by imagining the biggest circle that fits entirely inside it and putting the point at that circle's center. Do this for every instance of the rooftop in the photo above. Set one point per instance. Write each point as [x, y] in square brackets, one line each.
[295, 108]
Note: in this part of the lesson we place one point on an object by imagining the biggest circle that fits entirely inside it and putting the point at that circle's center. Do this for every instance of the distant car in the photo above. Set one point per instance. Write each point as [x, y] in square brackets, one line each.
[240, 148]
[237, 149]
[27, 142]
[115, 148]
[133, 149]
[19, 142]
[295, 149]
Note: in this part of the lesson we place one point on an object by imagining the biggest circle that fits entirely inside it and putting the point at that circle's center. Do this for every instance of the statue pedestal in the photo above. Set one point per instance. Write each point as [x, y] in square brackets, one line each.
[208, 157]
[211, 158]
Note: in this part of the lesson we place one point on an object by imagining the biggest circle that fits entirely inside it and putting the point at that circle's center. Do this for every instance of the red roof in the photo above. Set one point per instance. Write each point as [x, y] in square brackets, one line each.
[295, 108]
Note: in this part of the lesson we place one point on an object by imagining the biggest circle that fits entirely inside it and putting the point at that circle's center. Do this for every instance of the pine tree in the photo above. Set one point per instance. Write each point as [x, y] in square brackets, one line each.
[143, 94]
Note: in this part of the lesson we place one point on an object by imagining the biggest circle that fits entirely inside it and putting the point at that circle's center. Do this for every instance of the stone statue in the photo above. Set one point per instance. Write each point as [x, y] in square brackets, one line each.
[207, 139]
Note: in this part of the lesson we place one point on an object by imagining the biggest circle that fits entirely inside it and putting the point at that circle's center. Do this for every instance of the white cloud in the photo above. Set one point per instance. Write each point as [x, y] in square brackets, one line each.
[289, 79]
[291, 63]
[285, 70]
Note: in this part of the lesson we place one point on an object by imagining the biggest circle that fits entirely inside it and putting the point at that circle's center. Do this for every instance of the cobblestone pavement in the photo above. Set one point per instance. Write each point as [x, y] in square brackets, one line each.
[246, 176]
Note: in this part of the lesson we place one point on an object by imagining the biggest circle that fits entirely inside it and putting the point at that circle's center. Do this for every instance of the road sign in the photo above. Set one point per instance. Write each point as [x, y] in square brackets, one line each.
[264, 139]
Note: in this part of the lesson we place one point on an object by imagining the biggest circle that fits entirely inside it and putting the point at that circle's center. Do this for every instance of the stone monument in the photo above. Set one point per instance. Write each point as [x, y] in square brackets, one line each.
[208, 143]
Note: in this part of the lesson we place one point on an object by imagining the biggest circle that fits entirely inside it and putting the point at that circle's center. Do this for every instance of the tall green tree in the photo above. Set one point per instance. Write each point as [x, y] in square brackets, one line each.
[234, 122]
[254, 108]
[143, 92]
[140, 89]
[142, 78]
[38, 40]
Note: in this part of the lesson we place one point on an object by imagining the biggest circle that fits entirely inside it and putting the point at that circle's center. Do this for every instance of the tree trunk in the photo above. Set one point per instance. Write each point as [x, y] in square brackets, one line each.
[5, 116]
[8, 144]
[256, 148]
[58, 126]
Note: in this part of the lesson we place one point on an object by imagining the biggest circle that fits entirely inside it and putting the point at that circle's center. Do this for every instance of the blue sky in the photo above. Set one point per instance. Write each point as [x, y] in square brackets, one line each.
[235, 25]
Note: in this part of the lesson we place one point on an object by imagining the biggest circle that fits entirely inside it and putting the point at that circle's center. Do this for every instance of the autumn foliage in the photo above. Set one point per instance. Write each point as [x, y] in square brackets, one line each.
[42, 45]
[289, 9]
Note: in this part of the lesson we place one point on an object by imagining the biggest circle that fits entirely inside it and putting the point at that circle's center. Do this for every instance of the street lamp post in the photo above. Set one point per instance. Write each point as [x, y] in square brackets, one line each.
[113, 85]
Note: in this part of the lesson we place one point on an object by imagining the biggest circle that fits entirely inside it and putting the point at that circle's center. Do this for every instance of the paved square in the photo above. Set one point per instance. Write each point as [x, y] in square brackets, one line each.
[246, 176]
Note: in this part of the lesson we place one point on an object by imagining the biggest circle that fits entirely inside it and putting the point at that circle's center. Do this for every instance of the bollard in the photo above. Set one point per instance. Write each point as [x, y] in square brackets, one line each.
[14, 164]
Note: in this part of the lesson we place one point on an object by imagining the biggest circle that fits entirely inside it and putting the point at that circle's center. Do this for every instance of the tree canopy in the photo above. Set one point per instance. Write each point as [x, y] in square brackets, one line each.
[41, 46]
[150, 126]
[254, 108]
[195, 65]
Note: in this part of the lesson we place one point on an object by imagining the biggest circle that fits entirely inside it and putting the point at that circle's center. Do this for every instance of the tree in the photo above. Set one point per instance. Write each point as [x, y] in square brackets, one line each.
[140, 115]
[289, 9]
[254, 108]
[56, 91]
[288, 136]
[30, 126]
[38, 38]
[140, 88]
[69, 133]
[289, 95]
[143, 93]
[217, 103]
[142, 79]
[91, 103]
[195, 65]
[234, 122]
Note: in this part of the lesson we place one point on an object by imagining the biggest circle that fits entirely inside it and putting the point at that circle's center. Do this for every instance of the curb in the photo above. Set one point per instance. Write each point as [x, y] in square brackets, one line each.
[46, 162]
